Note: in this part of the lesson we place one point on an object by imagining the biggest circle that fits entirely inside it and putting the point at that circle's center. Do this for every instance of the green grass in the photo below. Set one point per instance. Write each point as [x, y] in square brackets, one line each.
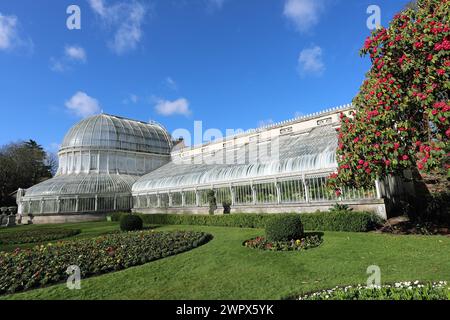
[88, 229]
[224, 269]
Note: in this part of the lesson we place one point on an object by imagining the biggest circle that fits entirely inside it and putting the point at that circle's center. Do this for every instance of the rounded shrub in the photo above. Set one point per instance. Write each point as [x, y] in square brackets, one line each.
[284, 228]
[131, 222]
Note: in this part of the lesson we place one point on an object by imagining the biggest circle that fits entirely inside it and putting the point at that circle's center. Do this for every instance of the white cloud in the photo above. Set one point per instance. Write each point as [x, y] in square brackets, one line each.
[72, 54]
[310, 61]
[168, 108]
[215, 4]
[83, 105]
[97, 6]
[8, 31]
[126, 18]
[171, 84]
[304, 14]
[57, 65]
[75, 53]
[132, 98]
[9, 34]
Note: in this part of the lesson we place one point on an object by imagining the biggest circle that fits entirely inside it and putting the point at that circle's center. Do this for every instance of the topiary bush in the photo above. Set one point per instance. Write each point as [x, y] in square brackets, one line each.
[284, 228]
[131, 222]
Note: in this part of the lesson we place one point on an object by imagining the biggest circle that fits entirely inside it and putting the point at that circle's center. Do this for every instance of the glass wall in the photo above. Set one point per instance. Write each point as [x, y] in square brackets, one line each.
[288, 190]
[266, 193]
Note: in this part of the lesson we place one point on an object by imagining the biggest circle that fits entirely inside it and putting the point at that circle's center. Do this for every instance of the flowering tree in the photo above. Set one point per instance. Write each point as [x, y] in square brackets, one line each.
[401, 117]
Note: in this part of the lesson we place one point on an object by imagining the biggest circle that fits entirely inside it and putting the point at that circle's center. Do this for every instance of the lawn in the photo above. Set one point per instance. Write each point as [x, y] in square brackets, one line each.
[224, 269]
[88, 230]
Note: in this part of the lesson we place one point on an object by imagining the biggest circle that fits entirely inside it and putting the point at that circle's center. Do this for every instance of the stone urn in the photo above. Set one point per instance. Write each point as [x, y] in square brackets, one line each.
[11, 219]
[3, 215]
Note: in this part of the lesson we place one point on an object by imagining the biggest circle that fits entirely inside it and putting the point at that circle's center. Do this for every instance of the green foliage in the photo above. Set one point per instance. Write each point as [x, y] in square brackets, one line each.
[402, 112]
[38, 235]
[46, 264]
[307, 242]
[338, 207]
[22, 165]
[115, 216]
[131, 222]
[438, 208]
[353, 221]
[284, 228]
[397, 291]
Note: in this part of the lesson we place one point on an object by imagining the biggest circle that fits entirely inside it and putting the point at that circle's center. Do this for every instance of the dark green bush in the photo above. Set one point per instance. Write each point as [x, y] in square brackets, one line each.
[438, 208]
[354, 221]
[116, 216]
[284, 228]
[131, 222]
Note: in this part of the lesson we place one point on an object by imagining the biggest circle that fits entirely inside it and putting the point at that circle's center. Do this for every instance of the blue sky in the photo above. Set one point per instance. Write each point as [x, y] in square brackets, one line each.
[229, 63]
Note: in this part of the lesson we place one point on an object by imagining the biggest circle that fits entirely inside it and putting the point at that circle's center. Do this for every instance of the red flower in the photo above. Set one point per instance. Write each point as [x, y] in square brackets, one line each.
[387, 163]
[405, 157]
[440, 72]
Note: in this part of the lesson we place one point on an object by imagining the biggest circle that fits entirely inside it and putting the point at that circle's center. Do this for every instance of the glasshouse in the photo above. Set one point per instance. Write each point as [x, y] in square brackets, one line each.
[99, 160]
[278, 168]
[108, 163]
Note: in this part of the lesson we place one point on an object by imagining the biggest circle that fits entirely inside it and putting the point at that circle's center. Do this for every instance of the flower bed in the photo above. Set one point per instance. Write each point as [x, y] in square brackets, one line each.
[308, 242]
[42, 265]
[398, 291]
[38, 235]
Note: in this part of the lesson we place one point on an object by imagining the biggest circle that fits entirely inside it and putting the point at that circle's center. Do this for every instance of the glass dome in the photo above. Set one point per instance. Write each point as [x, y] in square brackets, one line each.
[99, 160]
[112, 132]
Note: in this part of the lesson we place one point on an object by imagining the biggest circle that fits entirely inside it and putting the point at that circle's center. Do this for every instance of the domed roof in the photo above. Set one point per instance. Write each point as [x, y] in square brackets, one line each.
[106, 131]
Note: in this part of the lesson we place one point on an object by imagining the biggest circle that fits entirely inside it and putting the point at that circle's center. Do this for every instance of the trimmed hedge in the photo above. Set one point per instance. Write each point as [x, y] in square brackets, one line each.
[284, 228]
[37, 235]
[353, 221]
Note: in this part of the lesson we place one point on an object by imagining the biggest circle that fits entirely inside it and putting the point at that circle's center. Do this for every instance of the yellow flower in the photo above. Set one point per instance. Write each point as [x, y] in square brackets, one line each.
[298, 242]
